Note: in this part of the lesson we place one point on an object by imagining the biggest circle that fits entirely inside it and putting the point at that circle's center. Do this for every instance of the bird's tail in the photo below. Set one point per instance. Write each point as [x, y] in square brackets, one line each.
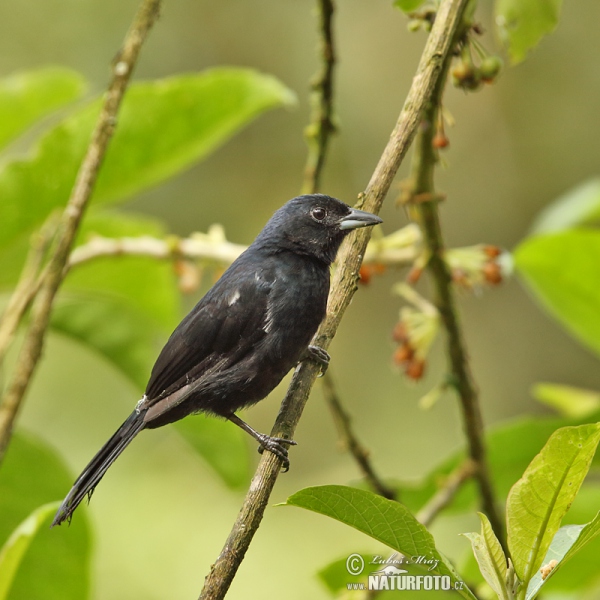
[93, 473]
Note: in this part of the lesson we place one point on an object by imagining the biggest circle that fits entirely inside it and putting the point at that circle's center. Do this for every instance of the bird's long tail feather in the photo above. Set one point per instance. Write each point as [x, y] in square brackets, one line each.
[95, 470]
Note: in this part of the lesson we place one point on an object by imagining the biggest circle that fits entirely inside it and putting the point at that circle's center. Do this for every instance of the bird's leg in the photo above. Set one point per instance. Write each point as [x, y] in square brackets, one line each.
[320, 356]
[275, 445]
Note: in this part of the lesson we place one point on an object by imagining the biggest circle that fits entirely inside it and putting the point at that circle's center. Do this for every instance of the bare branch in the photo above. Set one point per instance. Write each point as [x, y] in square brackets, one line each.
[430, 69]
[351, 442]
[447, 492]
[88, 172]
[425, 206]
[319, 132]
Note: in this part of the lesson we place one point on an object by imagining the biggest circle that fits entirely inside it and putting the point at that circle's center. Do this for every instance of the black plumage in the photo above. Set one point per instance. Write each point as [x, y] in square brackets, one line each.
[245, 334]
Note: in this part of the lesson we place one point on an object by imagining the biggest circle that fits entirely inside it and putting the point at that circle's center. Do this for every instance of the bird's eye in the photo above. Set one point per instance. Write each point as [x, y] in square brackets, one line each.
[318, 214]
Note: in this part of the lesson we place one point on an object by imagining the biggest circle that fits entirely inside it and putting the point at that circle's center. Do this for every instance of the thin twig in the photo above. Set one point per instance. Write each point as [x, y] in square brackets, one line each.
[444, 496]
[424, 160]
[384, 251]
[88, 172]
[319, 132]
[27, 286]
[438, 46]
[351, 442]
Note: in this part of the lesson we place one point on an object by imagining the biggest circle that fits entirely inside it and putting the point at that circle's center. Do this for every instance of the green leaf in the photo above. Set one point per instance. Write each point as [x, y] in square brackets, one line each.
[164, 127]
[387, 521]
[221, 444]
[408, 6]
[490, 557]
[567, 400]
[13, 551]
[523, 23]
[579, 206]
[28, 96]
[538, 502]
[563, 271]
[57, 564]
[122, 307]
[567, 542]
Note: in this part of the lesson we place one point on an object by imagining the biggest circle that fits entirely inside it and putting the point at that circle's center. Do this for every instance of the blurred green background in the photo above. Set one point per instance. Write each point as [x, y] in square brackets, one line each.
[161, 516]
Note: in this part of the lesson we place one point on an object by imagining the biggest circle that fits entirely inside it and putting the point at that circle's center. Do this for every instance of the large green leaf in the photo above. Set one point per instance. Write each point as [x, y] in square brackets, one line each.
[538, 502]
[57, 564]
[27, 96]
[579, 206]
[385, 520]
[523, 23]
[563, 272]
[164, 126]
[14, 549]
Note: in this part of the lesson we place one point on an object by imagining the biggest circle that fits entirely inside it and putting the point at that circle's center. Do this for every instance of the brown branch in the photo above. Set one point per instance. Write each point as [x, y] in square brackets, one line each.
[439, 44]
[319, 132]
[27, 287]
[84, 184]
[351, 442]
[444, 496]
[423, 167]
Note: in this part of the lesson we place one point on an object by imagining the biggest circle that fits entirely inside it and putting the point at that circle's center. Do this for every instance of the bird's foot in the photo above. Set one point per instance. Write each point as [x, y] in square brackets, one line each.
[320, 356]
[277, 446]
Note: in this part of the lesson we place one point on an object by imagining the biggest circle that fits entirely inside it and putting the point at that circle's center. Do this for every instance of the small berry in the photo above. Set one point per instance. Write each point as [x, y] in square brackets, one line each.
[415, 369]
[403, 354]
[364, 274]
[490, 67]
[440, 140]
[492, 273]
[492, 251]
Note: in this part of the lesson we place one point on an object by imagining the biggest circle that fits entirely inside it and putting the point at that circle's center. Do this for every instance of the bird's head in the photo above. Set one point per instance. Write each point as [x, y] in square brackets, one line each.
[313, 225]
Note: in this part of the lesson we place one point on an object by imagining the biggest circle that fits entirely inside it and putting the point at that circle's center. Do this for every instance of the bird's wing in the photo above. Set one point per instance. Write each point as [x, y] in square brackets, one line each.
[227, 323]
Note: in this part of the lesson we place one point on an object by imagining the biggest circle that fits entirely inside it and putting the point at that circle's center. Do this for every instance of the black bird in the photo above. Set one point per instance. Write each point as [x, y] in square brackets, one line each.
[244, 335]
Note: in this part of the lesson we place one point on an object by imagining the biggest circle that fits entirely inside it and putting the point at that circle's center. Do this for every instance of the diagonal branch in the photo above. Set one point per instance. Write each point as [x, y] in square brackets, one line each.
[438, 47]
[67, 228]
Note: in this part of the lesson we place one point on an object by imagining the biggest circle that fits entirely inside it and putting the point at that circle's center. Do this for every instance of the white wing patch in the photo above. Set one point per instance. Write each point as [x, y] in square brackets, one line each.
[234, 298]
[269, 320]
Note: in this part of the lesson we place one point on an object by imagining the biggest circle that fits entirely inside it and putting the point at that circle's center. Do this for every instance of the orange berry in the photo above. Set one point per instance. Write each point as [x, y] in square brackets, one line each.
[492, 251]
[492, 273]
[414, 275]
[440, 140]
[365, 274]
[415, 369]
[403, 354]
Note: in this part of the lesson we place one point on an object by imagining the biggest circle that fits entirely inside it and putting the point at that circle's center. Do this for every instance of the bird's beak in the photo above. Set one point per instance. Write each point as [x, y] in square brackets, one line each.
[358, 218]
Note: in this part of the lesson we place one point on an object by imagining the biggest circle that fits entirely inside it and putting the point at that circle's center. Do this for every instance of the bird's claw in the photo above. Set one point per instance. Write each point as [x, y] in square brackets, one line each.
[277, 446]
[320, 356]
